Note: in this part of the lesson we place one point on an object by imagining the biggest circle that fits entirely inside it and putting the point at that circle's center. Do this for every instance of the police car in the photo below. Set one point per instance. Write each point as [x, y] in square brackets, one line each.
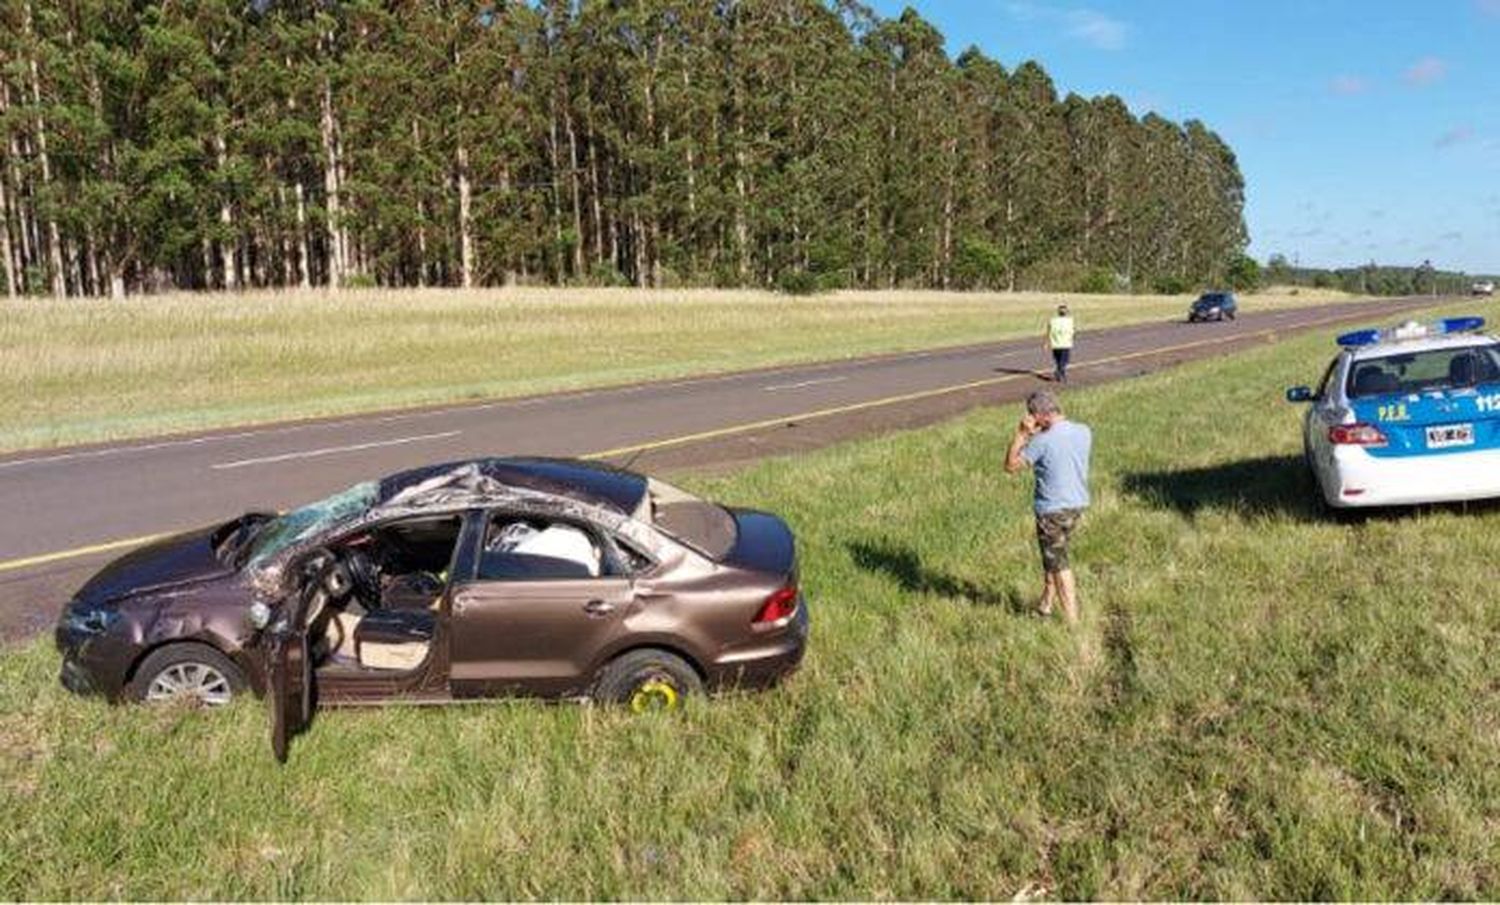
[1407, 415]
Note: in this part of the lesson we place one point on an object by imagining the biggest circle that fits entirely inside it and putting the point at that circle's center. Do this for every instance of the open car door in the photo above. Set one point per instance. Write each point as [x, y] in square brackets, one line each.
[289, 673]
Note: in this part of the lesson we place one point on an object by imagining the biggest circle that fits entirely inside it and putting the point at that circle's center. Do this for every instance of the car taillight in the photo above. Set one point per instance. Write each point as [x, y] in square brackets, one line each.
[778, 606]
[1359, 434]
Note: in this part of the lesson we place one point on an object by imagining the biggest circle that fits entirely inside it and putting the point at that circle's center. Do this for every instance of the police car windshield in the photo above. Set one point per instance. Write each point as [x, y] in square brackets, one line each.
[1426, 371]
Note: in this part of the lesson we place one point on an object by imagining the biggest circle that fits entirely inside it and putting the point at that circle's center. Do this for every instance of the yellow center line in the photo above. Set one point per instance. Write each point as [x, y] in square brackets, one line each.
[11, 565]
[748, 427]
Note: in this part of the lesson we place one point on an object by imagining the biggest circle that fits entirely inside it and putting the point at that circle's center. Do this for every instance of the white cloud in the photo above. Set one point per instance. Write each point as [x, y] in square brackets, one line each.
[1348, 85]
[1096, 29]
[1426, 71]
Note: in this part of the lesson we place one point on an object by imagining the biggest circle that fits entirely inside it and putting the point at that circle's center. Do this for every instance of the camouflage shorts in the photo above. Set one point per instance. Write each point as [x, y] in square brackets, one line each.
[1053, 529]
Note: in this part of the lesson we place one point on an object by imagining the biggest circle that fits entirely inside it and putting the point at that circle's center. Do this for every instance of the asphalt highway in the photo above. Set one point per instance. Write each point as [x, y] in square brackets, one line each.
[69, 510]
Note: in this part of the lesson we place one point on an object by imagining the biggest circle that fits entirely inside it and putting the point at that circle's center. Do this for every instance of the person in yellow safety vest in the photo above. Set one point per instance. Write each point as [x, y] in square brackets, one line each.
[1060, 343]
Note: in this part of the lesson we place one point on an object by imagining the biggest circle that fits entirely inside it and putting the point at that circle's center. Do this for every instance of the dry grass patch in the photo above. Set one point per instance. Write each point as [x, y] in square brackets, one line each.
[96, 370]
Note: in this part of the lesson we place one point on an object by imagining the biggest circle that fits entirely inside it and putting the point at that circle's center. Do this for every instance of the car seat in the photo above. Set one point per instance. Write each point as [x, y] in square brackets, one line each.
[1463, 371]
[1373, 380]
[394, 639]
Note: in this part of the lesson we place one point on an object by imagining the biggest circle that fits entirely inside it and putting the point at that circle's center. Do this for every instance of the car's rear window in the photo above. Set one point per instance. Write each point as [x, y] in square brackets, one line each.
[1426, 371]
[706, 527]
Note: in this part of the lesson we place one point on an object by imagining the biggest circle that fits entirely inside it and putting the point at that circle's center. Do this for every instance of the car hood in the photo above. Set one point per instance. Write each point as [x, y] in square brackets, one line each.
[171, 562]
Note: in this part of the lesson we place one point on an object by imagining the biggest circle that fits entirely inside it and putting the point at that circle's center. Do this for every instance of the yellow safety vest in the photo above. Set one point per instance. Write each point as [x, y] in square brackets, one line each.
[1060, 333]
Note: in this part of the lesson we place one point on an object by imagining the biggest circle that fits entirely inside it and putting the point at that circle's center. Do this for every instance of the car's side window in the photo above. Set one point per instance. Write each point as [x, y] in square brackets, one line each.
[525, 547]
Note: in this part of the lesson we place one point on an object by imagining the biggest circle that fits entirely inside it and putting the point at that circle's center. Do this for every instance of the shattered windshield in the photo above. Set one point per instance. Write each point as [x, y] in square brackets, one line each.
[284, 530]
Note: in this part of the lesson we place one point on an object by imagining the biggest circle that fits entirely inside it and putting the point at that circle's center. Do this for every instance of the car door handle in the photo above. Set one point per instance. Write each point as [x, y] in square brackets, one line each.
[598, 608]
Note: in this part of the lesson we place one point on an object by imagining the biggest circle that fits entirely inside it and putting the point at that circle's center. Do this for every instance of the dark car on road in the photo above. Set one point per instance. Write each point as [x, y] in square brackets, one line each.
[1213, 306]
[537, 577]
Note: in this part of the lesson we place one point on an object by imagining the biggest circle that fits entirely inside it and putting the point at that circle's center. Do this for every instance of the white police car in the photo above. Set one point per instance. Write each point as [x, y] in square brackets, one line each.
[1407, 415]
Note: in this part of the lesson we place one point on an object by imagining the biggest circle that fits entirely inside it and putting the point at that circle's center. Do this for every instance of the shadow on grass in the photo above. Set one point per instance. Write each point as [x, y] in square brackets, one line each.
[1274, 485]
[905, 566]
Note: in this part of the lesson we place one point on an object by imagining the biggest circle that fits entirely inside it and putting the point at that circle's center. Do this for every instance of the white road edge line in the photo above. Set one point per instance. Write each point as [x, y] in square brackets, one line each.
[332, 450]
[803, 383]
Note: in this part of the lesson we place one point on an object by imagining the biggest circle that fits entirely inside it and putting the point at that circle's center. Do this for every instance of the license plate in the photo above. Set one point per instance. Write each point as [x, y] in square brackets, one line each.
[1450, 435]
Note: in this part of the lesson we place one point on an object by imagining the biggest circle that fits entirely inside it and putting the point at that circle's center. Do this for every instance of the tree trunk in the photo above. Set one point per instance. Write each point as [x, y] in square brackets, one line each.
[508, 277]
[416, 138]
[465, 220]
[7, 256]
[692, 175]
[555, 206]
[577, 201]
[54, 237]
[945, 256]
[741, 226]
[303, 253]
[337, 265]
[229, 245]
[95, 287]
[596, 201]
[25, 223]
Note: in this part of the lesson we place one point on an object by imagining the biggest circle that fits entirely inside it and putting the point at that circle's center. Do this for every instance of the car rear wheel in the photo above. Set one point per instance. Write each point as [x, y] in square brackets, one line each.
[195, 673]
[646, 680]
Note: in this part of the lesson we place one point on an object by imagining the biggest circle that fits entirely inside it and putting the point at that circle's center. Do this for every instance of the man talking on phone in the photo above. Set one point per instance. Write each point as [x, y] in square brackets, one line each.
[1058, 451]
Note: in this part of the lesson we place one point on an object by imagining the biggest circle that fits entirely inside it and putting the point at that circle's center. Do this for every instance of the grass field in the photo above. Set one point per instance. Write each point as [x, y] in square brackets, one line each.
[1260, 703]
[98, 370]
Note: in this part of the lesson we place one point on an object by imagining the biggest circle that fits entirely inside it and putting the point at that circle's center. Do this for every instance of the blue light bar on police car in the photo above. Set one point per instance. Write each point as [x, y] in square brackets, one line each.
[1410, 330]
[1459, 324]
[1359, 338]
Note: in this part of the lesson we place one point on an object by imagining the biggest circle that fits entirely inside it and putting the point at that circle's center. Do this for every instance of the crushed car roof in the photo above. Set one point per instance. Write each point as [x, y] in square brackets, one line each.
[586, 482]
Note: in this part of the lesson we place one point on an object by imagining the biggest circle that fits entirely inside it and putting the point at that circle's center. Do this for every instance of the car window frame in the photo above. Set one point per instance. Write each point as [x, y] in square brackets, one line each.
[1321, 393]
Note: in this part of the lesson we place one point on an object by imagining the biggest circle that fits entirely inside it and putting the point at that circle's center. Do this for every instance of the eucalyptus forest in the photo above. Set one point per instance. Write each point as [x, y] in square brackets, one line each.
[794, 144]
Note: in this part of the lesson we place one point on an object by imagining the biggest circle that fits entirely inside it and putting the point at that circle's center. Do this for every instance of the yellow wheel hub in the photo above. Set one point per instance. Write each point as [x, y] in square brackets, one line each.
[654, 694]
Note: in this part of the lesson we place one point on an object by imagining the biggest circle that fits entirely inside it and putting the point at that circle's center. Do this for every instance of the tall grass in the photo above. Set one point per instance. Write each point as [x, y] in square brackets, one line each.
[1261, 702]
[94, 370]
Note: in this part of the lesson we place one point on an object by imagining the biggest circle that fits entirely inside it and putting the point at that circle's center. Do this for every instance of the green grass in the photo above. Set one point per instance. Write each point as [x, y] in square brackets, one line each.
[1260, 703]
[96, 370]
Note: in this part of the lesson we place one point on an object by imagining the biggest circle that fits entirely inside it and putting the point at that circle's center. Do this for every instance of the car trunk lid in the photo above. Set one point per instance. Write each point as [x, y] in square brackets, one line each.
[763, 543]
[1438, 422]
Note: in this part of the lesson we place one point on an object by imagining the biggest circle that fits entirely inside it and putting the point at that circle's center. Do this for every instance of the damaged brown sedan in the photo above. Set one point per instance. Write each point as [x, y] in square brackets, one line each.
[540, 577]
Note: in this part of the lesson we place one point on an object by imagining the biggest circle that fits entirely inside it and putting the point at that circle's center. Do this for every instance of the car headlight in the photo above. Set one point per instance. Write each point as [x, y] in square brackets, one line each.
[260, 615]
[88, 618]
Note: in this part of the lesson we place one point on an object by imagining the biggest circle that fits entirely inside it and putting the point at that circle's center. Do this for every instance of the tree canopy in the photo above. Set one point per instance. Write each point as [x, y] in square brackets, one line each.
[203, 144]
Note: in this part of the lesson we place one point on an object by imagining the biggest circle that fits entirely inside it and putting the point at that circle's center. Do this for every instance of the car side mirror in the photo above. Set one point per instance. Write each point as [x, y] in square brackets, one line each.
[1299, 394]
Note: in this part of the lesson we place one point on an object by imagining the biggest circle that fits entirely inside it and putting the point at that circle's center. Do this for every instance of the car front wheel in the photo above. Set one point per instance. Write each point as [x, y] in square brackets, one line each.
[646, 680]
[195, 673]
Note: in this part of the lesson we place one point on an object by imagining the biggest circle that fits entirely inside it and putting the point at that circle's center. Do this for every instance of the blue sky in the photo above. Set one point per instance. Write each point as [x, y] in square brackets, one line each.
[1365, 130]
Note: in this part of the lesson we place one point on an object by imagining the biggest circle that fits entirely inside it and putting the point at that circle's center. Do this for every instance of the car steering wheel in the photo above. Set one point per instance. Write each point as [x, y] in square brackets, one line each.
[361, 575]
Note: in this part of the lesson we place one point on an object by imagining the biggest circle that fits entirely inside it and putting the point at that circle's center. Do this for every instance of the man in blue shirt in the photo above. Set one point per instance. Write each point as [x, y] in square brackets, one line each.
[1058, 451]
